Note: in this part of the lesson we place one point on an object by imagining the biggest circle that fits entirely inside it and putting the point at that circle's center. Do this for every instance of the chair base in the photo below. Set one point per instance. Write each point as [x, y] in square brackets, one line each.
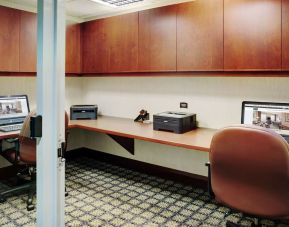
[31, 187]
[24, 187]
[30, 207]
[231, 224]
[32, 192]
[2, 199]
[254, 224]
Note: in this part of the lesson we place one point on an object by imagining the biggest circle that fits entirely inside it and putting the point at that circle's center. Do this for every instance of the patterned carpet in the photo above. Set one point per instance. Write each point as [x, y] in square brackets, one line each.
[101, 194]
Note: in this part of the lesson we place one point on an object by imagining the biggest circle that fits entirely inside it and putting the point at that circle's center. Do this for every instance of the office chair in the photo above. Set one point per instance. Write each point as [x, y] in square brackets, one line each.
[249, 171]
[24, 154]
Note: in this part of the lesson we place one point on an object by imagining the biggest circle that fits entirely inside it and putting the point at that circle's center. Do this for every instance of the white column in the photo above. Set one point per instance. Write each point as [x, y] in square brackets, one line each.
[50, 104]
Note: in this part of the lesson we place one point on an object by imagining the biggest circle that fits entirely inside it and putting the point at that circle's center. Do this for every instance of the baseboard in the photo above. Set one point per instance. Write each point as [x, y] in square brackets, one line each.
[164, 172]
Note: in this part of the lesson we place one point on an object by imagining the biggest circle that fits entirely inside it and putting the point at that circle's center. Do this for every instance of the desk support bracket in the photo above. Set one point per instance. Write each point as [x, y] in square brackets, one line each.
[126, 143]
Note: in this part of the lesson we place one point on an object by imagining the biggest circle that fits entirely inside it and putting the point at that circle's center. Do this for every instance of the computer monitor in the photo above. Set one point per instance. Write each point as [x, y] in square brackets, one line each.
[13, 109]
[267, 114]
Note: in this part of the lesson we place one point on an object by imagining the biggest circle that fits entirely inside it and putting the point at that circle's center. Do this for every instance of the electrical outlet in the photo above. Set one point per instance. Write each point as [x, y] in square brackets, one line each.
[184, 105]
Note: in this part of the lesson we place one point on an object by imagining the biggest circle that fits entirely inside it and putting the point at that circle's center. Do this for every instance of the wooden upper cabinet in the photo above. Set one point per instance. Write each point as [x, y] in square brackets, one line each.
[73, 49]
[28, 44]
[122, 34]
[157, 39]
[200, 36]
[252, 34]
[285, 33]
[94, 47]
[111, 44]
[28, 41]
[9, 39]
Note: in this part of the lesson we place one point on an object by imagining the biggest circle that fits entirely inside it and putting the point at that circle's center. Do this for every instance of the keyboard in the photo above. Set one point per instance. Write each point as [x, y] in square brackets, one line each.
[10, 128]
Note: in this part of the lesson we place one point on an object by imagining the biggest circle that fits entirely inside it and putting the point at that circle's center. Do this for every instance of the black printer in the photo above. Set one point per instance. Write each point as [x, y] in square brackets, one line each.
[177, 122]
[78, 112]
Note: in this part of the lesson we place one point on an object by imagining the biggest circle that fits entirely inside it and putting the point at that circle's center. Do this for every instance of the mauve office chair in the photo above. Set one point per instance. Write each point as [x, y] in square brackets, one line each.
[24, 154]
[249, 171]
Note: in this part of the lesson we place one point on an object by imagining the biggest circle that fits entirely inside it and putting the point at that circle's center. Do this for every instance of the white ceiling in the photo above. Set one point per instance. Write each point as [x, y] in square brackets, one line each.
[84, 10]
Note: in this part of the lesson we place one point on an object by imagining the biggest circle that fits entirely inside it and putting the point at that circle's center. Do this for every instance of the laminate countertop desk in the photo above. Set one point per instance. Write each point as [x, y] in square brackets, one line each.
[198, 139]
[7, 135]
[124, 131]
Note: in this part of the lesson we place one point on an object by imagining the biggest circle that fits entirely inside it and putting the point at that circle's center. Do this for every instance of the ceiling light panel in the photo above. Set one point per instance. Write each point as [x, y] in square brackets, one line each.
[121, 2]
[118, 2]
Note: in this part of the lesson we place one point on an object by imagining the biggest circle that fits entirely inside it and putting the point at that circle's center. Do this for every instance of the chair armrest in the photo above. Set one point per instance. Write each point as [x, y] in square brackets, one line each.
[210, 190]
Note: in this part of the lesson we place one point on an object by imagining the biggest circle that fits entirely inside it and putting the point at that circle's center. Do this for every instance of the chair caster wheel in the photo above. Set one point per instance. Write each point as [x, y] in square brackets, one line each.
[2, 199]
[66, 194]
[231, 224]
[30, 207]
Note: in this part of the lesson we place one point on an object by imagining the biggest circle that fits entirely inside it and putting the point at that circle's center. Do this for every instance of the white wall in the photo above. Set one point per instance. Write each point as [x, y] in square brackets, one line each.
[216, 100]
[19, 86]
[27, 85]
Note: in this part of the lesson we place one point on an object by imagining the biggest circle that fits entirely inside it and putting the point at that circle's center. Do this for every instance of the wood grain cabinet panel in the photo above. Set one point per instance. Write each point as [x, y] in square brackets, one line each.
[9, 39]
[73, 48]
[28, 42]
[157, 39]
[111, 44]
[252, 34]
[285, 33]
[122, 34]
[200, 36]
[94, 47]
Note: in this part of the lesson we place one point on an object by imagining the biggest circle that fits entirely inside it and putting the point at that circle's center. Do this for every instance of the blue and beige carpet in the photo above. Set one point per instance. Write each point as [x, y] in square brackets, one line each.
[101, 194]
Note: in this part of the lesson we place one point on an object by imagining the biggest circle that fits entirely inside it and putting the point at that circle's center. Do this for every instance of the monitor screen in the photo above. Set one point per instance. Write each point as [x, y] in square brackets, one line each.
[13, 109]
[269, 115]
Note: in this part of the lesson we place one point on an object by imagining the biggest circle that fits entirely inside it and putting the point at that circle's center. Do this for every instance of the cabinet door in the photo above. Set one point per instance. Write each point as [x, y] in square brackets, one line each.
[157, 39]
[122, 34]
[200, 36]
[28, 41]
[73, 39]
[252, 34]
[94, 47]
[111, 45]
[9, 39]
[285, 33]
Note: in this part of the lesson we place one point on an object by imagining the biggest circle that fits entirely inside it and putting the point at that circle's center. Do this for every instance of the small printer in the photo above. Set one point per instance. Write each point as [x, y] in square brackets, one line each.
[78, 112]
[177, 122]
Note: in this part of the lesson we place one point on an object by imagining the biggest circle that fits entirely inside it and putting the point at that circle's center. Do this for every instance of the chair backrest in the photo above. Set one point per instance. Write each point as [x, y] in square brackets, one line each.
[250, 170]
[28, 145]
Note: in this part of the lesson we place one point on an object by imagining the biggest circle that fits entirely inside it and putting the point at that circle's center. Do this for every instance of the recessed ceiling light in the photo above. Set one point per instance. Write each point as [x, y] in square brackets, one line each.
[115, 3]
